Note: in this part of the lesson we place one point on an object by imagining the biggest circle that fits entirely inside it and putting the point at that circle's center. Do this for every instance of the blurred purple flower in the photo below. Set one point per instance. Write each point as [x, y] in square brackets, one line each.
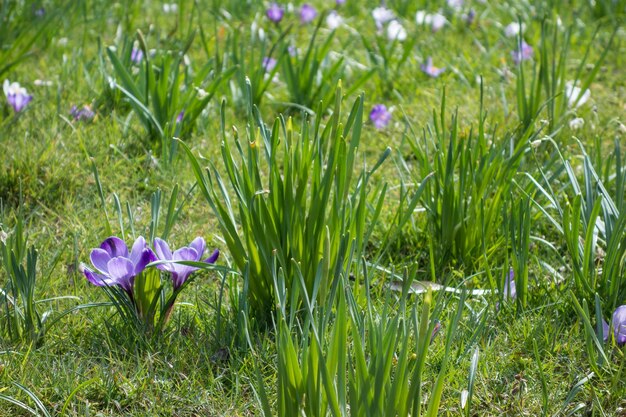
[275, 13]
[522, 53]
[429, 69]
[619, 325]
[136, 56]
[269, 64]
[307, 13]
[84, 113]
[115, 266]
[340, 2]
[193, 252]
[17, 96]
[380, 116]
[470, 17]
[180, 116]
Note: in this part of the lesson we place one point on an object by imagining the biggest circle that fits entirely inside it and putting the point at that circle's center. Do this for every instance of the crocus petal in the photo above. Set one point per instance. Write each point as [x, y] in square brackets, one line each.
[100, 258]
[185, 254]
[137, 250]
[198, 245]
[162, 249]
[120, 268]
[115, 247]
[211, 259]
[97, 279]
[145, 258]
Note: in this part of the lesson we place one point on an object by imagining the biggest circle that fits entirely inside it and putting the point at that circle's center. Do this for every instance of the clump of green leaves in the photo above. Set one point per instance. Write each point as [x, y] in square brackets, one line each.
[471, 181]
[298, 196]
[21, 318]
[552, 90]
[592, 222]
[162, 91]
[347, 360]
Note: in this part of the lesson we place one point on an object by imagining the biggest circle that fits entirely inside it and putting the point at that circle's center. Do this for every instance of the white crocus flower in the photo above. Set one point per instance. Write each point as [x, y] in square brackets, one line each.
[574, 97]
[382, 15]
[395, 31]
[436, 20]
[333, 20]
[576, 123]
[514, 29]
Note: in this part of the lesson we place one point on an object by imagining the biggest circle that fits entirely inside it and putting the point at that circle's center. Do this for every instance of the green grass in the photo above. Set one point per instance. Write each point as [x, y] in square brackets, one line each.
[492, 173]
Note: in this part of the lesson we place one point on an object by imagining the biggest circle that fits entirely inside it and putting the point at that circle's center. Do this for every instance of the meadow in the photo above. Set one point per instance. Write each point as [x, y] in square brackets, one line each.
[321, 208]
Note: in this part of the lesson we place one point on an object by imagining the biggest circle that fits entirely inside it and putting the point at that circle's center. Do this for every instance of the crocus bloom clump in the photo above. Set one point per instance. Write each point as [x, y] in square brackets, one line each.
[17, 96]
[307, 13]
[429, 69]
[380, 116]
[522, 53]
[116, 266]
[193, 252]
[275, 13]
[82, 114]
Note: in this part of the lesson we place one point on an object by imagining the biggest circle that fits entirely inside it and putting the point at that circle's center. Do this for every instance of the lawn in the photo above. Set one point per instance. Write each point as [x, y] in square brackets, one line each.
[332, 207]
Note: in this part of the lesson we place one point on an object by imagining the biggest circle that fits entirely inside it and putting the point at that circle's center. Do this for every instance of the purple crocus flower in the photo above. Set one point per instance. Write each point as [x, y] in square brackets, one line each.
[619, 325]
[193, 252]
[307, 13]
[510, 292]
[269, 64]
[84, 113]
[115, 266]
[275, 13]
[429, 69]
[180, 116]
[340, 2]
[380, 116]
[522, 53]
[136, 56]
[17, 96]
